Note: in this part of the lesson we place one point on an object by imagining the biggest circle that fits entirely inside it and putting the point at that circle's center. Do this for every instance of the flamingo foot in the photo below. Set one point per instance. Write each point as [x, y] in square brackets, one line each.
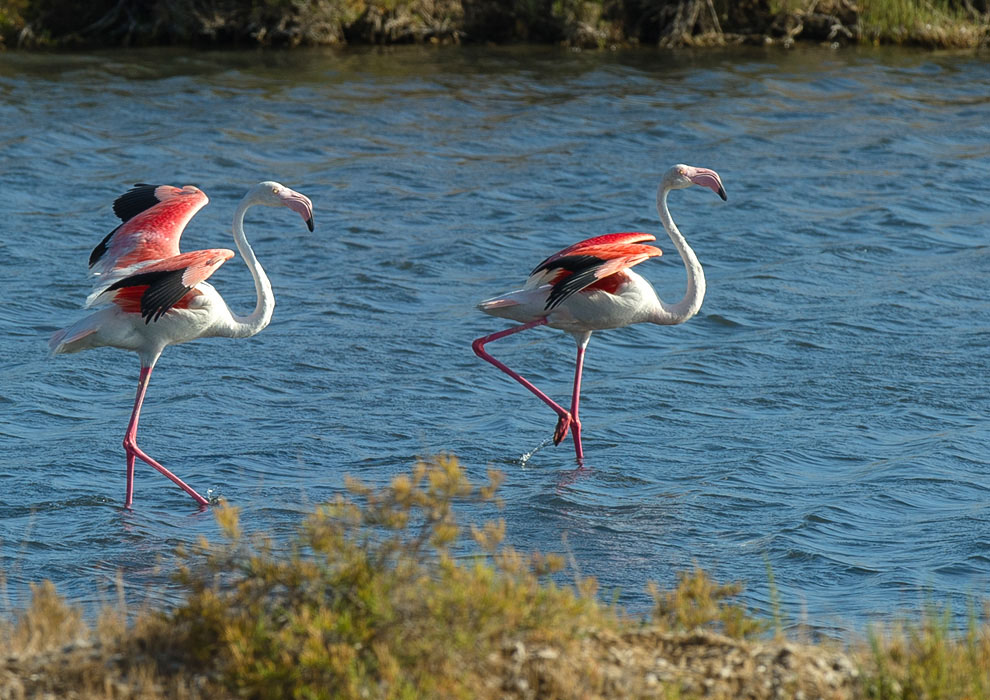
[134, 451]
[567, 422]
[563, 426]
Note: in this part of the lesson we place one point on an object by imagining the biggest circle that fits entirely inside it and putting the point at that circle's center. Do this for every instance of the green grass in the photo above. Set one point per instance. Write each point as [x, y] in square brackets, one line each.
[926, 660]
[928, 23]
[932, 23]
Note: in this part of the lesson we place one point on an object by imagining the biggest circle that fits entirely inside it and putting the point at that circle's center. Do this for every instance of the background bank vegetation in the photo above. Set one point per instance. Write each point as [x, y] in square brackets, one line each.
[578, 23]
[385, 595]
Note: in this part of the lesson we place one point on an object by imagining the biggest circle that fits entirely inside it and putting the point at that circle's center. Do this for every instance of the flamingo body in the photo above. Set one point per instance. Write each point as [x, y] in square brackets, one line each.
[153, 296]
[589, 287]
[199, 313]
[619, 300]
[584, 287]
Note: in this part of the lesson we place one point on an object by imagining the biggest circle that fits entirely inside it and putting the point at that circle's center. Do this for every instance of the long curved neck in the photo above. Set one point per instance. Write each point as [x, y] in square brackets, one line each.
[669, 314]
[244, 326]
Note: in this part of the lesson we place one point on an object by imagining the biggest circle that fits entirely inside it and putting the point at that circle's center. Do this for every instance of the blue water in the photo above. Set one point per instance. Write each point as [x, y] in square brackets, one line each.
[824, 415]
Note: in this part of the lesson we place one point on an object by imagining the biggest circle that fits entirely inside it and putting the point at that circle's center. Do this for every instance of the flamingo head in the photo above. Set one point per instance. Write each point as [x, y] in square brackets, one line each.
[274, 194]
[681, 176]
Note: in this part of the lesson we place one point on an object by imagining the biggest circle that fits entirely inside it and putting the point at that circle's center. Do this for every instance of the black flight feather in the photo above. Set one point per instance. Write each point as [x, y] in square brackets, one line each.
[165, 289]
[139, 198]
[582, 268]
[100, 250]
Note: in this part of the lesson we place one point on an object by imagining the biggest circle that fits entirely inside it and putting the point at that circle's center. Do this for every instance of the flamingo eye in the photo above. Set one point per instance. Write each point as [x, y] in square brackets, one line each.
[274, 190]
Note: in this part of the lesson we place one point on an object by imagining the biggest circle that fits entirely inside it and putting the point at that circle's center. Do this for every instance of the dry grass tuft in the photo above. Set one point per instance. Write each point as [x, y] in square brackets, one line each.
[927, 660]
[700, 602]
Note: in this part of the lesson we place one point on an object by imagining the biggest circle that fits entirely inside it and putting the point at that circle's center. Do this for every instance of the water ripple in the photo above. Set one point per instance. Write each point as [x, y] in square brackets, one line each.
[824, 415]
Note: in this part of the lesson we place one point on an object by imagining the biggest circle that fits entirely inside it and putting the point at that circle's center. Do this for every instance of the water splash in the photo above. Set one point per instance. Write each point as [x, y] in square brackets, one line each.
[529, 455]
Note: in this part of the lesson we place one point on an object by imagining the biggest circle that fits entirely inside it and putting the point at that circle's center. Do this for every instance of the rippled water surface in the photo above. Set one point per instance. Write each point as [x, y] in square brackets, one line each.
[824, 415]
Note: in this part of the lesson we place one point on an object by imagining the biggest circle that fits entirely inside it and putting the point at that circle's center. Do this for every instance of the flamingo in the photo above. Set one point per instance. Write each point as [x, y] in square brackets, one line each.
[589, 287]
[156, 296]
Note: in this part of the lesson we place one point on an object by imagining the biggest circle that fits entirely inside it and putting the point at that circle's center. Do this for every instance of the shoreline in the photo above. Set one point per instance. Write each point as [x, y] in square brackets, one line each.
[376, 599]
[585, 24]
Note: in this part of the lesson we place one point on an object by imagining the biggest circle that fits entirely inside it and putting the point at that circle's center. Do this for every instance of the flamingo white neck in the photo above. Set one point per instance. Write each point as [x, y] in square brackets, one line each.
[244, 326]
[670, 314]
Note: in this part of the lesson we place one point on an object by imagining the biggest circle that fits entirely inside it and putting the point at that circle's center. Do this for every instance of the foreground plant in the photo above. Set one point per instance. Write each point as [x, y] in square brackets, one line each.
[383, 594]
[927, 660]
[372, 596]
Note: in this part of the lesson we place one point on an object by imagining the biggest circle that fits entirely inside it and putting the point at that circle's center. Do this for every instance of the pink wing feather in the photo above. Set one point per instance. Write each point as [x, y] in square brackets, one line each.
[154, 218]
[196, 265]
[155, 288]
[605, 240]
[583, 264]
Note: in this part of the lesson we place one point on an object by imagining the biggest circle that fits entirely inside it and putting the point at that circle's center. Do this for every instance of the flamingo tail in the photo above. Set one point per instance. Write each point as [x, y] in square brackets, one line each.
[78, 336]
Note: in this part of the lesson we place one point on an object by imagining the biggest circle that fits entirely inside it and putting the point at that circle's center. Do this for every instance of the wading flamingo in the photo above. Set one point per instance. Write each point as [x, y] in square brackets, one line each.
[589, 287]
[158, 296]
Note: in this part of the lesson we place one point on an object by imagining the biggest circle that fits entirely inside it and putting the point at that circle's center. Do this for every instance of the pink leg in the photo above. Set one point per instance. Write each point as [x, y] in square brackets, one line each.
[129, 497]
[576, 395]
[132, 449]
[479, 349]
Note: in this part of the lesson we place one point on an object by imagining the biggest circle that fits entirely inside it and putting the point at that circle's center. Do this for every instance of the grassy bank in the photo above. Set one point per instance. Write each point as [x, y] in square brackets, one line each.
[371, 602]
[583, 23]
[936, 24]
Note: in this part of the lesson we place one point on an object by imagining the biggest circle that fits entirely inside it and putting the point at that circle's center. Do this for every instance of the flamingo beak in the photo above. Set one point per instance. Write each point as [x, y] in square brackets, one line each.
[300, 204]
[710, 179]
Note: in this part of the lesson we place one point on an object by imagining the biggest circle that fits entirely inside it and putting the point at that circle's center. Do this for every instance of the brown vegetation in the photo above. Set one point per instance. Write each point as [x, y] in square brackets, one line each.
[584, 23]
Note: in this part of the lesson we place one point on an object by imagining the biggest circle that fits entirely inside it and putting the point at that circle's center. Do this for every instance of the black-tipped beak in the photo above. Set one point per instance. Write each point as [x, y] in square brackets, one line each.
[309, 221]
[298, 203]
[721, 193]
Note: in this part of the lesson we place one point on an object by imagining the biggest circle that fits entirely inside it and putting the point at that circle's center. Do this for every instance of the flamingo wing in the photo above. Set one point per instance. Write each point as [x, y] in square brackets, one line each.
[583, 264]
[607, 239]
[155, 288]
[153, 217]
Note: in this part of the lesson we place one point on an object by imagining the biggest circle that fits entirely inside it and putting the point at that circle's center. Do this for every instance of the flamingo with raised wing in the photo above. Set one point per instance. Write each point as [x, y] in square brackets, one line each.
[156, 296]
[589, 287]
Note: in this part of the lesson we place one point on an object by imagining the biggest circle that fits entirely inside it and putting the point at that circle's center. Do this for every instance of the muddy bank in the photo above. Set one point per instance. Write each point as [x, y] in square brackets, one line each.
[648, 663]
[577, 23]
